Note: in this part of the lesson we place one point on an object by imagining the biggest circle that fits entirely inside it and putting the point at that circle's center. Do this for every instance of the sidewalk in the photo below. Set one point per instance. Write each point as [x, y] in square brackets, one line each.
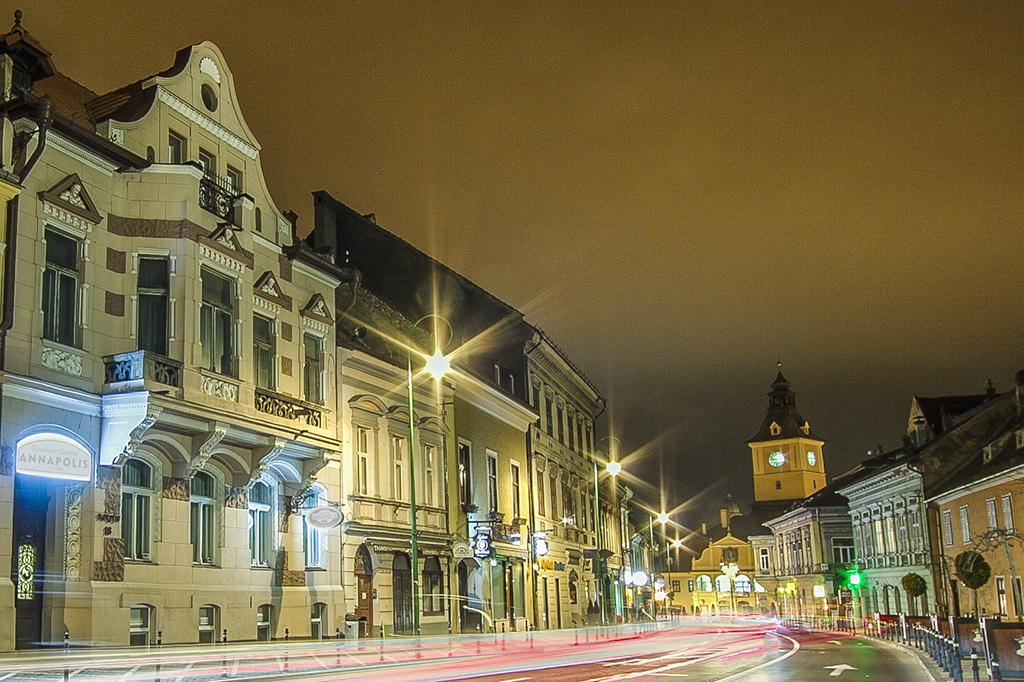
[931, 667]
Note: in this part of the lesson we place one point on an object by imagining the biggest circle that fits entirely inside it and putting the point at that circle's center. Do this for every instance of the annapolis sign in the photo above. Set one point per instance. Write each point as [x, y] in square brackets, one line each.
[53, 455]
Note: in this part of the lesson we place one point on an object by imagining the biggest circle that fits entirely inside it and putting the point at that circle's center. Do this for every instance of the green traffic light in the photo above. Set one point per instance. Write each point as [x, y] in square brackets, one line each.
[855, 578]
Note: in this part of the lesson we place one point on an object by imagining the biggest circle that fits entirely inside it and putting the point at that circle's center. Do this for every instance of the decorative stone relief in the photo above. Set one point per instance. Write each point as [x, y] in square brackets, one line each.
[73, 195]
[117, 136]
[73, 532]
[272, 453]
[108, 479]
[236, 498]
[209, 67]
[219, 389]
[176, 489]
[7, 461]
[111, 569]
[62, 361]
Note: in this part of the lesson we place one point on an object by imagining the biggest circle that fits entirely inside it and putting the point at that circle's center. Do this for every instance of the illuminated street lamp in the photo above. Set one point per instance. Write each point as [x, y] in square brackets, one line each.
[613, 468]
[437, 366]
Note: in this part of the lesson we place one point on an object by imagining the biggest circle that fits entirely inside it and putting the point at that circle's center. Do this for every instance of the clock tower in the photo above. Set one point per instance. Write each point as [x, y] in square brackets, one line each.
[788, 463]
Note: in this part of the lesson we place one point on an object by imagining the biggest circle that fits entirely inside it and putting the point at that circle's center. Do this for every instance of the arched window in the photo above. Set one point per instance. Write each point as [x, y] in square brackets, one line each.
[136, 503]
[432, 590]
[314, 539]
[704, 583]
[722, 583]
[203, 496]
[260, 527]
[742, 583]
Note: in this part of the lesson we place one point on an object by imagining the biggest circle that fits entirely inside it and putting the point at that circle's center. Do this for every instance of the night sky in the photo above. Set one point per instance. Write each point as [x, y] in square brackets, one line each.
[680, 193]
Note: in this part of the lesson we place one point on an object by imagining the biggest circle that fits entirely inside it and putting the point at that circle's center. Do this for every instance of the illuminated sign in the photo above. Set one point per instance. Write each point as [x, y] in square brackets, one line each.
[462, 550]
[639, 578]
[482, 546]
[324, 517]
[540, 546]
[53, 455]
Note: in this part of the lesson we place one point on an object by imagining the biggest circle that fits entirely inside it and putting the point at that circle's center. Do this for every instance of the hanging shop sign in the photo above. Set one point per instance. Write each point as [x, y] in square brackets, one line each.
[324, 517]
[482, 546]
[54, 456]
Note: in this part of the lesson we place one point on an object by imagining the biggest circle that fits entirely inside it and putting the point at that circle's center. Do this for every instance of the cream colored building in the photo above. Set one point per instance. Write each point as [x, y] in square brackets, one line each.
[169, 401]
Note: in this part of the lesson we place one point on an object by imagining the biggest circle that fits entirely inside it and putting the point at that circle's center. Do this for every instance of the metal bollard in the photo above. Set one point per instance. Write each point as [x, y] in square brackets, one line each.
[224, 637]
[286, 634]
[974, 665]
[159, 637]
[337, 633]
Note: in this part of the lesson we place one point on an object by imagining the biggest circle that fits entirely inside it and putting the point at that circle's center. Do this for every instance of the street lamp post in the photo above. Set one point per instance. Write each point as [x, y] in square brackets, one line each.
[613, 468]
[437, 365]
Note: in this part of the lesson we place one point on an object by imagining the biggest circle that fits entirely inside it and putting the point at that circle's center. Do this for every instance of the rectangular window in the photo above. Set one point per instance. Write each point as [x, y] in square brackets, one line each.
[568, 510]
[579, 435]
[311, 384]
[890, 535]
[842, 550]
[202, 532]
[429, 467]
[60, 288]
[153, 291]
[398, 459]
[465, 479]
[208, 162]
[947, 526]
[561, 425]
[363, 457]
[259, 525]
[315, 539]
[915, 531]
[551, 415]
[175, 148]
[216, 318]
[879, 537]
[965, 526]
[540, 494]
[135, 524]
[262, 352]
[515, 491]
[492, 481]
[234, 180]
[554, 497]
[1001, 594]
[1007, 513]
[990, 510]
[765, 561]
[572, 437]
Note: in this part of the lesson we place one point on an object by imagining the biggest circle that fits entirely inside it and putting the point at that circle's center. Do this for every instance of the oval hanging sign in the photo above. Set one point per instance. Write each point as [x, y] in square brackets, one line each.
[53, 455]
[324, 517]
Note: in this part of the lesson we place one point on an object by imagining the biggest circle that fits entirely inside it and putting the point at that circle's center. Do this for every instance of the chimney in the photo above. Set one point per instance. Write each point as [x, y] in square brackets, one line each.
[920, 430]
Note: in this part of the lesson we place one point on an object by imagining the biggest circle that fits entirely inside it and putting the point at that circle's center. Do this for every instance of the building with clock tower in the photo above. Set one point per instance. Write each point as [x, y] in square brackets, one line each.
[786, 453]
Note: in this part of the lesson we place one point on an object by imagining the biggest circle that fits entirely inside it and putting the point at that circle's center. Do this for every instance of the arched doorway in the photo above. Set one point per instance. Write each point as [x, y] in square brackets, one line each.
[364, 584]
[401, 594]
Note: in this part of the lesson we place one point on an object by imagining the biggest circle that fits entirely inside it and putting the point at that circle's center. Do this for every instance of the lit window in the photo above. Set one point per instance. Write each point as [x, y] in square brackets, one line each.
[465, 471]
[136, 501]
[60, 288]
[398, 461]
[363, 459]
[429, 472]
[540, 493]
[492, 481]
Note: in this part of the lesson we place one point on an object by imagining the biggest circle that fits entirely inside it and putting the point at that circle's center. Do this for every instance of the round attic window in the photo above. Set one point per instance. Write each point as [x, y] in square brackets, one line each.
[209, 97]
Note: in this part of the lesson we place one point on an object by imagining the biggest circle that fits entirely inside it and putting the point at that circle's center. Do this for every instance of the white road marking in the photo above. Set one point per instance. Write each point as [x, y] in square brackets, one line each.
[838, 670]
[6, 676]
[129, 673]
[183, 671]
[796, 648]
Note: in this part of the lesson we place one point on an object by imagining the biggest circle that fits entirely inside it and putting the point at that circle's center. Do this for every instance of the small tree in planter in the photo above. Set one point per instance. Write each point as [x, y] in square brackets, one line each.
[973, 571]
[915, 586]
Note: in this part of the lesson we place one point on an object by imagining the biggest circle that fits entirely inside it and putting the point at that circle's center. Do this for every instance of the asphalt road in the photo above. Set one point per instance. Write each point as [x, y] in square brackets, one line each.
[697, 652]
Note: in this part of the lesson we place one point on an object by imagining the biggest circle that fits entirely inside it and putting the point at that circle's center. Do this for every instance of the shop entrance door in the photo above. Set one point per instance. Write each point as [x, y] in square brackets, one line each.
[401, 594]
[31, 499]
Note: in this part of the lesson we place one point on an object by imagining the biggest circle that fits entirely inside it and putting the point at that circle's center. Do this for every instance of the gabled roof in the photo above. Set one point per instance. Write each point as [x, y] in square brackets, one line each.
[942, 412]
[130, 102]
[783, 413]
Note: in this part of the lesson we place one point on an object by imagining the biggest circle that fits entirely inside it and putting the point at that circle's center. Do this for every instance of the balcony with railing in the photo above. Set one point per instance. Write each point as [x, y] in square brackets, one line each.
[217, 195]
[287, 407]
[130, 371]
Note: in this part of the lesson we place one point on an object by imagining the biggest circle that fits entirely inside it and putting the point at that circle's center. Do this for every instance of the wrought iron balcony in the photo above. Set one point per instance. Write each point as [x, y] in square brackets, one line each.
[127, 371]
[285, 407]
[217, 196]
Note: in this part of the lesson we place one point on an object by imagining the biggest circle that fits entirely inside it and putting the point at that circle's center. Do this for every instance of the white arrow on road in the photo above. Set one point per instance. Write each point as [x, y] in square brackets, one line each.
[837, 670]
[837, 643]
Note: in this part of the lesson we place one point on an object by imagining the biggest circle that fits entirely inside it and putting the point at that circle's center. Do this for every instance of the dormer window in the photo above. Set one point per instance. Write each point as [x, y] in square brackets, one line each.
[806, 428]
[775, 429]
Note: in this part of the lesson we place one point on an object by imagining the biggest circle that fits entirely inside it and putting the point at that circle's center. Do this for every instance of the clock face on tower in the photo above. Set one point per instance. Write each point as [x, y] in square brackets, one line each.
[776, 459]
[812, 458]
